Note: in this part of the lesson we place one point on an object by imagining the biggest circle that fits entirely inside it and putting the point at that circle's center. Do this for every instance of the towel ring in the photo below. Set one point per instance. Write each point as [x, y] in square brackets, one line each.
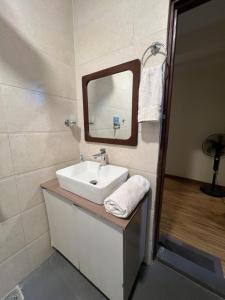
[155, 48]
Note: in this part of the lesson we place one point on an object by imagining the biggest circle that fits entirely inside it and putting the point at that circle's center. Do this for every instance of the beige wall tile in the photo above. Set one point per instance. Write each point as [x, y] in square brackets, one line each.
[80, 115]
[9, 204]
[11, 237]
[28, 185]
[35, 222]
[3, 124]
[35, 151]
[58, 78]
[13, 270]
[150, 16]
[6, 168]
[91, 10]
[144, 157]
[116, 20]
[47, 25]
[30, 68]
[37, 93]
[66, 164]
[39, 250]
[32, 111]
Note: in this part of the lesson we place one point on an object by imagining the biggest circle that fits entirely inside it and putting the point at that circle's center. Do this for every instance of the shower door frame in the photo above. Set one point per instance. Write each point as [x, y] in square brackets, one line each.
[176, 7]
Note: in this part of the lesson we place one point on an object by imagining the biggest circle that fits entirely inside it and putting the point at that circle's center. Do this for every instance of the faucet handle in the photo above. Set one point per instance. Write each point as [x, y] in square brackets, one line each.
[102, 150]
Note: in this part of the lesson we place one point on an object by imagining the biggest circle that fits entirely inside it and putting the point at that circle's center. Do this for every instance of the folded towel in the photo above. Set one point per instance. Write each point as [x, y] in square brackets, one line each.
[124, 200]
[150, 93]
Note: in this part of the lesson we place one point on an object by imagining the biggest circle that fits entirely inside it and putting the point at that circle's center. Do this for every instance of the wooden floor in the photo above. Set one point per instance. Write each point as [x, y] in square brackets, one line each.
[193, 217]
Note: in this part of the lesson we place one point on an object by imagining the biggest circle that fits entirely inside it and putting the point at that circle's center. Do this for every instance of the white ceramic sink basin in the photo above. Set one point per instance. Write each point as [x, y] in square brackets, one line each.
[91, 181]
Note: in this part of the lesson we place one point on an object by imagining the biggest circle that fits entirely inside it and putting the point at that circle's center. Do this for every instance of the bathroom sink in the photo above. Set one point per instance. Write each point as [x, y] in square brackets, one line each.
[92, 181]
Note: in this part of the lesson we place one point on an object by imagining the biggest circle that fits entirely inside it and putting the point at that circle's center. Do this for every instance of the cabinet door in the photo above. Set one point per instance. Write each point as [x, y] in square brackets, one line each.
[63, 233]
[101, 253]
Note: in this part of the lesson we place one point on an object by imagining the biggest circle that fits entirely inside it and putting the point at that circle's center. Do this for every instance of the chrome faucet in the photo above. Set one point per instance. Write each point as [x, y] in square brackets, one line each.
[101, 157]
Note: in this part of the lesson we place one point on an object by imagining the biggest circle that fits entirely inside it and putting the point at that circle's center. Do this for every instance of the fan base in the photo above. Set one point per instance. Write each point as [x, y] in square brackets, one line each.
[216, 192]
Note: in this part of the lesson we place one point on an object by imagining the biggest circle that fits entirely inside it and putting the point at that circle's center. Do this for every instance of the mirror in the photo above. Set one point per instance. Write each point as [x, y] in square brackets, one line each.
[110, 99]
[110, 106]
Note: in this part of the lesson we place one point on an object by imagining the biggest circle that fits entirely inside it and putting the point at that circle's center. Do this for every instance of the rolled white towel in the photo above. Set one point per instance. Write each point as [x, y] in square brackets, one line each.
[124, 200]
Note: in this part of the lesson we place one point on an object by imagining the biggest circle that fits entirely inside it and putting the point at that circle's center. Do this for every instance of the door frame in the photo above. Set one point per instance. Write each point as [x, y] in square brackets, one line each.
[176, 7]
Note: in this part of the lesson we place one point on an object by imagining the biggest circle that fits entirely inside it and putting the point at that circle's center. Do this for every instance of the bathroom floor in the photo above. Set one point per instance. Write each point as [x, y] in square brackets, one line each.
[57, 279]
[194, 217]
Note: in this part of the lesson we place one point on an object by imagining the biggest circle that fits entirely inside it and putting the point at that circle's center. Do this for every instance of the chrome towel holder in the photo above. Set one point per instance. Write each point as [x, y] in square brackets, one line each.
[155, 48]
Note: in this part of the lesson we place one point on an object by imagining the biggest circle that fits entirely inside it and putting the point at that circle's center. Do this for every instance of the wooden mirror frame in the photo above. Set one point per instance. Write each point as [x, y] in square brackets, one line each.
[134, 66]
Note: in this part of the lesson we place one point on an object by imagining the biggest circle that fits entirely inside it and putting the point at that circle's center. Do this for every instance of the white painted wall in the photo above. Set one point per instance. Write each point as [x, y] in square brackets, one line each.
[198, 110]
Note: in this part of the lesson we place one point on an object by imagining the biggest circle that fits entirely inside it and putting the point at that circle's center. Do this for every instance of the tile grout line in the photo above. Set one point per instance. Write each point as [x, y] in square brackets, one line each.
[17, 193]
[35, 132]
[23, 248]
[47, 53]
[37, 91]
[38, 169]
[131, 44]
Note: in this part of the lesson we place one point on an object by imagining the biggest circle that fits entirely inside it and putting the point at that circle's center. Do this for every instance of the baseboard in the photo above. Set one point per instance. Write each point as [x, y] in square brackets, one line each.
[190, 180]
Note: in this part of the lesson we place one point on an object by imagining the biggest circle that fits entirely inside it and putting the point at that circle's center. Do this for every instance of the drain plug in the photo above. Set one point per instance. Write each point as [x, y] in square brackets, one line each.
[94, 182]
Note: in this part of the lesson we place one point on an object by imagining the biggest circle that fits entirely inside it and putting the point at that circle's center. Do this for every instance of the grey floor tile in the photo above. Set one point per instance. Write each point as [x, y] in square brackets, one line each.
[57, 279]
[74, 280]
[45, 284]
[159, 282]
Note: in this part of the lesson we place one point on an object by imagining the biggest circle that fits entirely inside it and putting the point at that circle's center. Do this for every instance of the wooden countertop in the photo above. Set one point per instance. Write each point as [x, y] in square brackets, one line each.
[99, 210]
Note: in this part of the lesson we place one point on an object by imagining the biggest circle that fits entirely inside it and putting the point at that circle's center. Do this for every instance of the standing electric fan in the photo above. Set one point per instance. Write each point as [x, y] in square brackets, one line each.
[214, 146]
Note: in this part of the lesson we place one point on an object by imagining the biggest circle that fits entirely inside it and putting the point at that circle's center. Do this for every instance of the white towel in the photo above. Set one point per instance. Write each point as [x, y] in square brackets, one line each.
[124, 200]
[150, 93]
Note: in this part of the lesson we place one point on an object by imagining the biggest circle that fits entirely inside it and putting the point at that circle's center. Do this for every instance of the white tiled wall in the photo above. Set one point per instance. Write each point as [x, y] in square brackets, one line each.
[108, 33]
[37, 93]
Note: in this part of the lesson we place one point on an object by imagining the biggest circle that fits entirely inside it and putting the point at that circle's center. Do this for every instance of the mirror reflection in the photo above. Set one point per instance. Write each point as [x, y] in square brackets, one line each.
[110, 106]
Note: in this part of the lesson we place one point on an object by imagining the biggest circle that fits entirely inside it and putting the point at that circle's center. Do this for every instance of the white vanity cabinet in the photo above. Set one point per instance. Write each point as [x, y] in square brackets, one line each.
[101, 254]
[61, 218]
[108, 253]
